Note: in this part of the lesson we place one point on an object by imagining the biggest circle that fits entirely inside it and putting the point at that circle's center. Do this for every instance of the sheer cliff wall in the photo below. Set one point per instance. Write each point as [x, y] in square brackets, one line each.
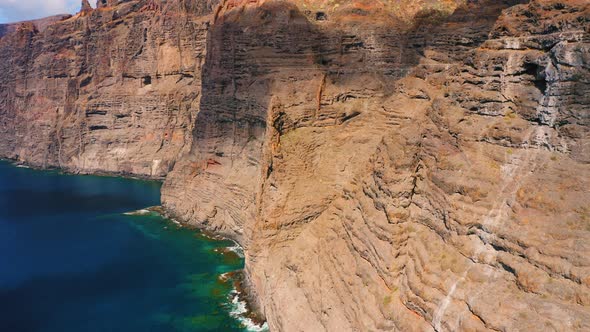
[387, 165]
[387, 173]
[111, 90]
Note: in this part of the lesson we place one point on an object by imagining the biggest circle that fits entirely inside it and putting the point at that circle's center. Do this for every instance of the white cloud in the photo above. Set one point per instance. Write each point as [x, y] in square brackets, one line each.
[19, 10]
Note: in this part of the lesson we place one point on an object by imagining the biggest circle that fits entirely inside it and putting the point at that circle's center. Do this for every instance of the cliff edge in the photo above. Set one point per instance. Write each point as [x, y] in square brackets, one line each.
[387, 165]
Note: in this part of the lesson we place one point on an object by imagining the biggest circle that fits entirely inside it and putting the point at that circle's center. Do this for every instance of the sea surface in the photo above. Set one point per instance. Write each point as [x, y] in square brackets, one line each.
[71, 260]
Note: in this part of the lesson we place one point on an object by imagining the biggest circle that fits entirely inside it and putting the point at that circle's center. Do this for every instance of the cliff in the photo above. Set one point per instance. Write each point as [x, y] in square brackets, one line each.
[387, 165]
[109, 90]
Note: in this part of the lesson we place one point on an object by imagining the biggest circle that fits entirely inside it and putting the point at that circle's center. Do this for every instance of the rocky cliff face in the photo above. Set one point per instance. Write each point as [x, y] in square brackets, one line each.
[388, 165]
[112, 90]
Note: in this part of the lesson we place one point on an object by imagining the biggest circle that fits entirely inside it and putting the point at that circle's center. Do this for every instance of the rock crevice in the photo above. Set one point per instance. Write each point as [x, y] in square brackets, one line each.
[387, 165]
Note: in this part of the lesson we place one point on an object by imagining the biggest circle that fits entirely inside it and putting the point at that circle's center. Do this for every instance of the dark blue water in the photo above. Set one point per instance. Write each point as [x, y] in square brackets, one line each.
[70, 260]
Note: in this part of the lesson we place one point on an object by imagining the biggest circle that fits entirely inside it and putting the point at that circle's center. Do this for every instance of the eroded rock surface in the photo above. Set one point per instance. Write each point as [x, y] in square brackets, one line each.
[388, 165]
[395, 174]
[114, 89]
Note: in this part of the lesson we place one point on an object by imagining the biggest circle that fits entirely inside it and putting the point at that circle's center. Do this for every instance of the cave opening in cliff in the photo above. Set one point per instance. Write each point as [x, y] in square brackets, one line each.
[537, 72]
[147, 80]
[321, 16]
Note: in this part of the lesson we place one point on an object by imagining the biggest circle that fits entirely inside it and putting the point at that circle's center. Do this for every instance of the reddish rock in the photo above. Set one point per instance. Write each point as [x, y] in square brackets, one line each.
[387, 165]
[85, 7]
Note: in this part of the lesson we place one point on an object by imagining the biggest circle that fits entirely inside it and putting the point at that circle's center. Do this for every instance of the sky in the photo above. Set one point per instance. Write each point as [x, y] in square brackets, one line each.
[19, 10]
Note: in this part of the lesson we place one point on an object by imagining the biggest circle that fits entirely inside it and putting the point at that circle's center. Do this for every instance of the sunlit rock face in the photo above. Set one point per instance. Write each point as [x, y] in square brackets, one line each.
[388, 165]
[109, 90]
[414, 172]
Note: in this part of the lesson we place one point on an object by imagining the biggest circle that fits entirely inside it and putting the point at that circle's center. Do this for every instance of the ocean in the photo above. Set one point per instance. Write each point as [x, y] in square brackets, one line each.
[72, 260]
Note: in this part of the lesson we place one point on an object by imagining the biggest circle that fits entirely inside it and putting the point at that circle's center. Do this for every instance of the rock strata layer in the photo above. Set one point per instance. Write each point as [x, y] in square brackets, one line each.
[114, 89]
[387, 165]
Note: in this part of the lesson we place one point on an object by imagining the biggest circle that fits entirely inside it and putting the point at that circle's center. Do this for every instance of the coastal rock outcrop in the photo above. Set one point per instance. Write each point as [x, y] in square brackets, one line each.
[113, 90]
[387, 173]
[85, 6]
[387, 165]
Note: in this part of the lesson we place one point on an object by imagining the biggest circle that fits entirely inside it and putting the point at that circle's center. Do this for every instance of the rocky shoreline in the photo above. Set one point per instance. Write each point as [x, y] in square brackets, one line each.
[71, 171]
[386, 165]
[251, 313]
[251, 316]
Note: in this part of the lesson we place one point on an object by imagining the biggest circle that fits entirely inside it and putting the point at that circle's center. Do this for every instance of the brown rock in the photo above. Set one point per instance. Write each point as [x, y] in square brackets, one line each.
[400, 165]
[325, 132]
[107, 3]
[104, 100]
[85, 7]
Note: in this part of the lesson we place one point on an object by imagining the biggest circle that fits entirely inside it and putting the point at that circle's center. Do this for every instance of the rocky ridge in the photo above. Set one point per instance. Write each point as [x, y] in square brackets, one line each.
[113, 89]
[387, 165]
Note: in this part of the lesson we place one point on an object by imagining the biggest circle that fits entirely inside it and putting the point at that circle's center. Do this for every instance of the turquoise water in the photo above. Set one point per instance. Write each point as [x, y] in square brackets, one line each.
[70, 260]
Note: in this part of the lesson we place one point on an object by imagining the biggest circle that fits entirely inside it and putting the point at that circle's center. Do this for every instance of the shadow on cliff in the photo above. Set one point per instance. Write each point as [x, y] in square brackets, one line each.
[266, 72]
[251, 48]
[453, 37]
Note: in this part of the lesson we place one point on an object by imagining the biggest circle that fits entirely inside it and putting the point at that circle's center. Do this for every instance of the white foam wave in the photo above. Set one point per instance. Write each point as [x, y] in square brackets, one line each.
[238, 311]
[237, 249]
[142, 212]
